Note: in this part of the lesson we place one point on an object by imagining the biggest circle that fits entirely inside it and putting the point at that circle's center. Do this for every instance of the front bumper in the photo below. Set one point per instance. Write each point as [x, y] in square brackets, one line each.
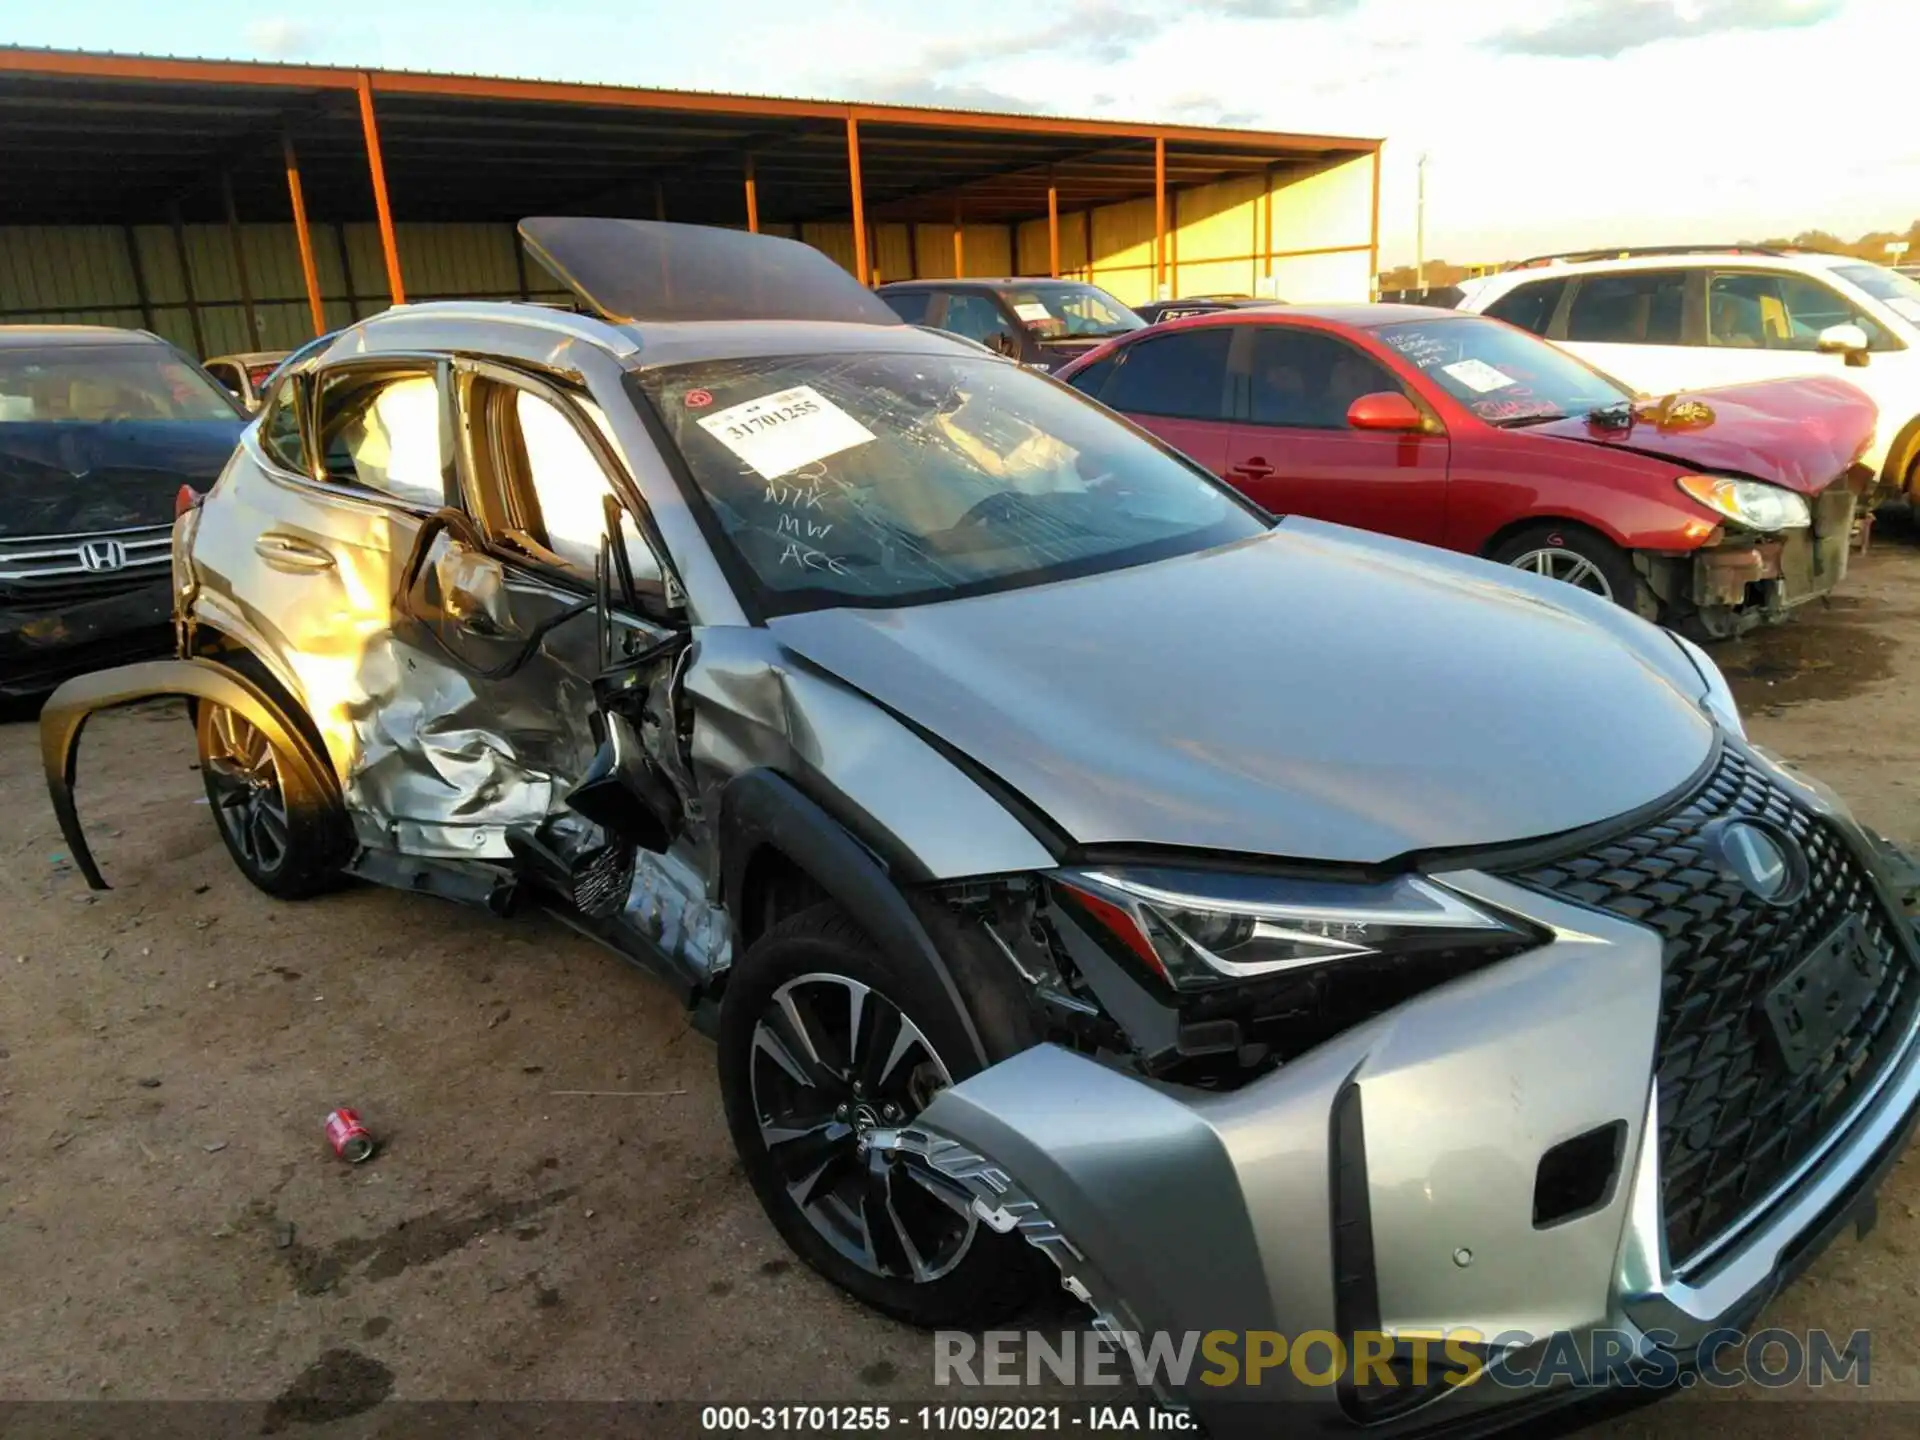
[1764, 578]
[1407, 1149]
[41, 647]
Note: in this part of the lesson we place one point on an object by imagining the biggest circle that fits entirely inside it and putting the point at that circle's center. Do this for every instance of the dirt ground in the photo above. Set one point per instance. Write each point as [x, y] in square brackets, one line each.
[172, 1226]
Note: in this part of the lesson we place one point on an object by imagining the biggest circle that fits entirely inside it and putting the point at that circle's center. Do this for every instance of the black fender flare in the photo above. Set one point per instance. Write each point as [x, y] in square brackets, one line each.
[760, 809]
[68, 709]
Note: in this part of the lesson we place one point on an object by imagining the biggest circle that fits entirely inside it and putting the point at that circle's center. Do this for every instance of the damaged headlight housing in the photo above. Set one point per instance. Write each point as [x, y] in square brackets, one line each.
[1197, 931]
[1757, 506]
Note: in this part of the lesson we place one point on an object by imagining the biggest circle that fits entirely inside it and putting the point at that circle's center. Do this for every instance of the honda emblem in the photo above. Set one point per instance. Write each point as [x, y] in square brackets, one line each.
[100, 556]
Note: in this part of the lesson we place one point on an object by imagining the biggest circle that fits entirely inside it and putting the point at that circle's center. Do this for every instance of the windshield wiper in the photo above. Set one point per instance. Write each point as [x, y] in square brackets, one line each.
[1532, 417]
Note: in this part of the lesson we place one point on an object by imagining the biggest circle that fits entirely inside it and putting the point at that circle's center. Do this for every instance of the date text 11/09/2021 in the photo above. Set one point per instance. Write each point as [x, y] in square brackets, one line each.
[937, 1419]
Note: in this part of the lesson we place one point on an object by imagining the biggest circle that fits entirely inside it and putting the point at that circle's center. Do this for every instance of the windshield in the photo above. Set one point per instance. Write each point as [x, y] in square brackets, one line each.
[897, 479]
[1071, 312]
[1503, 375]
[1900, 293]
[94, 383]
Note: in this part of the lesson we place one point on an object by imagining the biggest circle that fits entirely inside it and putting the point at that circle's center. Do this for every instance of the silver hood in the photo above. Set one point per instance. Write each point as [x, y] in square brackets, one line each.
[1316, 693]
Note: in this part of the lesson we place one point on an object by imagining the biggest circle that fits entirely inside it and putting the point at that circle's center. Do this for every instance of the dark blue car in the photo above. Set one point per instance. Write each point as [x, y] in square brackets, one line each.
[99, 429]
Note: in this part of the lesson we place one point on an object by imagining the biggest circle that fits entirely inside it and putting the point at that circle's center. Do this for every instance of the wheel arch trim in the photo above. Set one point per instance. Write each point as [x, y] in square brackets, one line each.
[68, 709]
[761, 810]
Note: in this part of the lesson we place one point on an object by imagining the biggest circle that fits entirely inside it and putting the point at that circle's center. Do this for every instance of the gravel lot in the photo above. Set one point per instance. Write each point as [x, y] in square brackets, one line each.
[171, 1226]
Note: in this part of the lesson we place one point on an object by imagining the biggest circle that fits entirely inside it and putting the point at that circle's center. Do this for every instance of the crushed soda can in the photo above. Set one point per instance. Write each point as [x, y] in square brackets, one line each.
[351, 1140]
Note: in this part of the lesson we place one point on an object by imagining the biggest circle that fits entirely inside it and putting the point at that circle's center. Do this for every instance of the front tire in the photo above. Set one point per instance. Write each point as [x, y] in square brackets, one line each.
[286, 842]
[823, 1038]
[1576, 556]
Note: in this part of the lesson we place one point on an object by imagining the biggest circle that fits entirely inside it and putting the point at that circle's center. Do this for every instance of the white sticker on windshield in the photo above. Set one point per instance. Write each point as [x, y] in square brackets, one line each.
[1033, 312]
[777, 434]
[1477, 375]
[1906, 309]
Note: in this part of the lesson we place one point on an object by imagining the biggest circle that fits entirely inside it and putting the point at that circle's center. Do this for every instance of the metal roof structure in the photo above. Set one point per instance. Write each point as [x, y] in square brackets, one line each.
[94, 138]
[124, 140]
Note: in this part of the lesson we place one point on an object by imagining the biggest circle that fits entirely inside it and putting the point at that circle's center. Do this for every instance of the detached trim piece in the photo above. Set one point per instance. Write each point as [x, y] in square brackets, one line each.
[69, 708]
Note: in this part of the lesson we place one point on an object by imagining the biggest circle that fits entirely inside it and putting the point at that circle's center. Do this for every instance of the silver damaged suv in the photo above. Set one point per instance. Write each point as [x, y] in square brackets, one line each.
[1271, 926]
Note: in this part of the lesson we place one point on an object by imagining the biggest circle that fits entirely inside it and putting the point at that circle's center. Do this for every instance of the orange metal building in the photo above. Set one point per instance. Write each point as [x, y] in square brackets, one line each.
[237, 206]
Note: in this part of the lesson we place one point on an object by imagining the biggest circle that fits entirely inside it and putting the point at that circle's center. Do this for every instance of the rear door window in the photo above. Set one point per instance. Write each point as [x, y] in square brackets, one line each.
[1181, 376]
[1638, 307]
[1530, 306]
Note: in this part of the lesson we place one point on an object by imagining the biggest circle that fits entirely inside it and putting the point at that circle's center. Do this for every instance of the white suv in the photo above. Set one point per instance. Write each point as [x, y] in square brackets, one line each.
[1687, 318]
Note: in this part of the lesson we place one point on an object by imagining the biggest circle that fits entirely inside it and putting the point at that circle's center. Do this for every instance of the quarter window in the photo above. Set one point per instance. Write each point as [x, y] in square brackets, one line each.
[1637, 307]
[385, 432]
[1181, 376]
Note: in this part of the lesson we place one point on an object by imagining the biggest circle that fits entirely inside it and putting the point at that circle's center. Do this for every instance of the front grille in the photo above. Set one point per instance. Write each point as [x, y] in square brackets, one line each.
[51, 572]
[1735, 1119]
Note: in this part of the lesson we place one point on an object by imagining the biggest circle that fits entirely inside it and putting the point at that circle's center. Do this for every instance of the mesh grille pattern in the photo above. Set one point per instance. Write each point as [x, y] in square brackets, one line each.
[1735, 1119]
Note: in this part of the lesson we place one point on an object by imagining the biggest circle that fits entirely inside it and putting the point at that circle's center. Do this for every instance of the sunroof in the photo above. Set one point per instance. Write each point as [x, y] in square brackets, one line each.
[628, 270]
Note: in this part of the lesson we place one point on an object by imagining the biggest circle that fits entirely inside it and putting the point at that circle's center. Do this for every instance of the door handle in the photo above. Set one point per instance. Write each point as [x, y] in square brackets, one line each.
[1254, 469]
[289, 553]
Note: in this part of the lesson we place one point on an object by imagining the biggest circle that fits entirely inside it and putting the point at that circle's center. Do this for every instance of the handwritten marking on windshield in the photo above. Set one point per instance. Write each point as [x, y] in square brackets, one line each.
[808, 558]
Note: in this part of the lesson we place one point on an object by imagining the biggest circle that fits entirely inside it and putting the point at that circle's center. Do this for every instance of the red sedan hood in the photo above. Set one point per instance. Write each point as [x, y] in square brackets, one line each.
[1802, 434]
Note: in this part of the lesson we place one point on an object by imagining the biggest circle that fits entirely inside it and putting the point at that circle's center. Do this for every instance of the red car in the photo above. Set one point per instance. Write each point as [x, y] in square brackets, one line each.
[1710, 511]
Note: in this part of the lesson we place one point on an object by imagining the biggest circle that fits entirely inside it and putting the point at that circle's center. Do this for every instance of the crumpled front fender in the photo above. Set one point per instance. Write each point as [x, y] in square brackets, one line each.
[68, 709]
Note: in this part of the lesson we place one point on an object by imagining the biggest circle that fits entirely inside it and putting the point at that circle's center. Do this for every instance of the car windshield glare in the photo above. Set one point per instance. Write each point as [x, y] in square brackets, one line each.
[1503, 375]
[89, 384]
[1901, 293]
[1071, 312]
[895, 479]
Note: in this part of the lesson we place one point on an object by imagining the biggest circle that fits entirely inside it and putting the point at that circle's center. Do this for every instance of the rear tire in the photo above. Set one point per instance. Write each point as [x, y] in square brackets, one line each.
[287, 842]
[790, 1061]
[1576, 555]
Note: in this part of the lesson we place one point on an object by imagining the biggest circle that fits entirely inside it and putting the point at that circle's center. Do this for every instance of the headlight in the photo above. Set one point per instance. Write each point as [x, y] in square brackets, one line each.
[1719, 697]
[1201, 930]
[1748, 502]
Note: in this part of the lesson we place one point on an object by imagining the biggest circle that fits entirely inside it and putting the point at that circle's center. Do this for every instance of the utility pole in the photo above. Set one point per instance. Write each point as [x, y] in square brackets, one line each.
[1420, 229]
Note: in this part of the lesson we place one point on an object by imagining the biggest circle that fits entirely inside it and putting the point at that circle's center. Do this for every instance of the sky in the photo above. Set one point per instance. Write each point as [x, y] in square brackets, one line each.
[1547, 124]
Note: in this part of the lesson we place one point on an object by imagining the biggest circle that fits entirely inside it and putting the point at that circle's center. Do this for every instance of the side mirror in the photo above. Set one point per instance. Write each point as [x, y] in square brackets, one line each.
[1001, 342]
[1848, 340]
[1385, 410]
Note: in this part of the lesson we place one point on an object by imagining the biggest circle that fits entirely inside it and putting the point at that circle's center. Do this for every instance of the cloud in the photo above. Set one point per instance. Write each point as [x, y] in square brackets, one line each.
[1603, 29]
[923, 90]
[279, 39]
[1100, 32]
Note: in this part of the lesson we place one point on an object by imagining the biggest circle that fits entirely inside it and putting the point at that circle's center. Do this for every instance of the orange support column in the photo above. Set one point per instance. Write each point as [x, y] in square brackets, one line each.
[1053, 228]
[305, 237]
[1373, 242]
[753, 200]
[959, 244]
[388, 245]
[1159, 217]
[859, 202]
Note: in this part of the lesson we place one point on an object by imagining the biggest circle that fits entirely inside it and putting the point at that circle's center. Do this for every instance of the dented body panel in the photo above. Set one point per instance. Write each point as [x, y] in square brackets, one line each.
[1040, 803]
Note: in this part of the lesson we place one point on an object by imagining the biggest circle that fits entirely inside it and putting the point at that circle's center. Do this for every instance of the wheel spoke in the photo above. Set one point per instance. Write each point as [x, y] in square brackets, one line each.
[803, 1039]
[889, 1037]
[800, 1151]
[775, 1049]
[886, 1236]
[817, 1185]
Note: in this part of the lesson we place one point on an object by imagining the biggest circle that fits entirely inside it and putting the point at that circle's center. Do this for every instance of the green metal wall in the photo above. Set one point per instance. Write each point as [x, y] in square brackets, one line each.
[96, 275]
